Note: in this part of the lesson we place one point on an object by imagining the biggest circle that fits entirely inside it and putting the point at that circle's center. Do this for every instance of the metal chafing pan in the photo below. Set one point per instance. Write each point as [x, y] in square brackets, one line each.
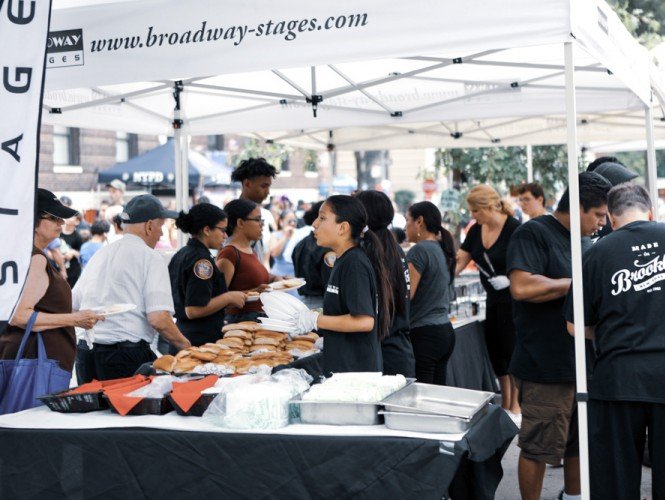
[429, 422]
[437, 400]
[337, 413]
[341, 413]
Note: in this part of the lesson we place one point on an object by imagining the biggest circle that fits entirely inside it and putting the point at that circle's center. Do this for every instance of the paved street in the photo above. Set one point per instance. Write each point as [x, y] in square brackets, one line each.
[509, 489]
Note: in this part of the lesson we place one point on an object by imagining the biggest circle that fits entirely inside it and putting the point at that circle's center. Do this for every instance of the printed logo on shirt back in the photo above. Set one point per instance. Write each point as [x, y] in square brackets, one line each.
[332, 289]
[649, 269]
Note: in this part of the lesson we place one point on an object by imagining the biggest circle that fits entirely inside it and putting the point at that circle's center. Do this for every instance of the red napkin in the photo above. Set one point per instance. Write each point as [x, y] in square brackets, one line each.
[117, 394]
[100, 385]
[185, 394]
[94, 386]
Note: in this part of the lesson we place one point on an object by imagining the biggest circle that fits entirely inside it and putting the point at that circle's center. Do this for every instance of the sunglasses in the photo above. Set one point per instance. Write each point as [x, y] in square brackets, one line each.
[53, 218]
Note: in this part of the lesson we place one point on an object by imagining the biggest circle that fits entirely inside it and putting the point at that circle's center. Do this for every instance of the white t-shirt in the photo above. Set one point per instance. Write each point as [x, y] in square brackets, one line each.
[126, 271]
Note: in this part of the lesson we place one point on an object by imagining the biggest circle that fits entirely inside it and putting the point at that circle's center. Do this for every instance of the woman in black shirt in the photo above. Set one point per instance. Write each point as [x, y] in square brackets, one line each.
[486, 244]
[396, 347]
[198, 287]
[358, 301]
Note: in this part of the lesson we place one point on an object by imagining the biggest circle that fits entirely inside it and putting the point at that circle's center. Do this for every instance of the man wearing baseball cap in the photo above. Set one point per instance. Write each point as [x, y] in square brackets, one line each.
[130, 271]
[116, 189]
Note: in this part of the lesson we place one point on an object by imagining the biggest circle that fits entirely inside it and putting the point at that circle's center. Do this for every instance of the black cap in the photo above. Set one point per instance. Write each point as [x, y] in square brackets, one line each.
[49, 203]
[144, 208]
[615, 173]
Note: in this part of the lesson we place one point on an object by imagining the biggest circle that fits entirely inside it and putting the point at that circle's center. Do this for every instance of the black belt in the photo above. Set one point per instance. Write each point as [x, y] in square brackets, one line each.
[122, 345]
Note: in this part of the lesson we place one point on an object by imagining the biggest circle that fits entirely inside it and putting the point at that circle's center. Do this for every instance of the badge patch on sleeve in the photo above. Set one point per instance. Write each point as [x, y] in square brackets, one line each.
[203, 269]
[330, 259]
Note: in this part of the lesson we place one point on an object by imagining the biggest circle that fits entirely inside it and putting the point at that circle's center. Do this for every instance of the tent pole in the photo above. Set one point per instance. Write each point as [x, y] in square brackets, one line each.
[181, 158]
[651, 171]
[529, 163]
[576, 252]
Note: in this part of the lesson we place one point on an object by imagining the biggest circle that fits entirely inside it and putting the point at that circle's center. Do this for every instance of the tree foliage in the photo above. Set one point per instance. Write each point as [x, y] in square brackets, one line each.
[644, 19]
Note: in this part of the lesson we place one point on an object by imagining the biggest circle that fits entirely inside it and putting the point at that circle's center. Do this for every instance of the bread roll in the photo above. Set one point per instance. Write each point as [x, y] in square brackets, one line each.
[259, 347]
[183, 354]
[267, 341]
[204, 356]
[271, 334]
[165, 363]
[301, 345]
[232, 342]
[186, 365]
[238, 333]
[213, 348]
[248, 326]
[310, 337]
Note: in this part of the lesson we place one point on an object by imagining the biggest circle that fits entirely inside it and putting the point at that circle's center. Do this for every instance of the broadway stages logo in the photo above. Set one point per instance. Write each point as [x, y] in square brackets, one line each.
[64, 48]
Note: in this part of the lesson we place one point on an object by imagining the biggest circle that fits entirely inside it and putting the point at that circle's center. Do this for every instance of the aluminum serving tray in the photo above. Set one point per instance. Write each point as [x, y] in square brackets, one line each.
[329, 413]
[341, 413]
[429, 422]
[438, 400]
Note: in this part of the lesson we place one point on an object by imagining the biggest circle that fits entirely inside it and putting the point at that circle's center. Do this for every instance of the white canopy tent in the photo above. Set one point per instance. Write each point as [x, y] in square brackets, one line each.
[286, 67]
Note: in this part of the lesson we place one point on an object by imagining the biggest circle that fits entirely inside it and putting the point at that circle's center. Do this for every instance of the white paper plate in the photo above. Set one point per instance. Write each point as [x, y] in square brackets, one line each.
[276, 322]
[113, 309]
[293, 301]
[275, 313]
[279, 302]
[277, 328]
[278, 287]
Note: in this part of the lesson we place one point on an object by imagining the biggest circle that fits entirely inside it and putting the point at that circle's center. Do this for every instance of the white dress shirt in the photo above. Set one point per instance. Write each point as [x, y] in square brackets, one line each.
[125, 272]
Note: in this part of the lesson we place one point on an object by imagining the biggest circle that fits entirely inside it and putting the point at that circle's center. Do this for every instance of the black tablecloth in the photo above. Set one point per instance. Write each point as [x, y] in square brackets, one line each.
[469, 366]
[147, 463]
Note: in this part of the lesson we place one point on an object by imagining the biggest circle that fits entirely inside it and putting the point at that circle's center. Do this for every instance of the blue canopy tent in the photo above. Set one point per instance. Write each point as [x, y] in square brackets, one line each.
[155, 169]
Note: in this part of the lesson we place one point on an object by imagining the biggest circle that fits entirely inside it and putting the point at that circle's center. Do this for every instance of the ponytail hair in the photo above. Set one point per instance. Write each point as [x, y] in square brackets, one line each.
[350, 210]
[200, 216]
[380, 214]
[238, 209]
[484, 196]
[434, 224]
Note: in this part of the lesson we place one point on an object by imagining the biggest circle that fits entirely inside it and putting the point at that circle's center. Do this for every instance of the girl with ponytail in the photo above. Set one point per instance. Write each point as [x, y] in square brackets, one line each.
[487, 244]
[431, 267]
[198, 287]
[396, 347]
[358, 302]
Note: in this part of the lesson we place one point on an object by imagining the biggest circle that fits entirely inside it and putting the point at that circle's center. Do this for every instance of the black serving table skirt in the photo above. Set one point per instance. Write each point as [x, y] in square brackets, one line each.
[134, 463]
[469, 366]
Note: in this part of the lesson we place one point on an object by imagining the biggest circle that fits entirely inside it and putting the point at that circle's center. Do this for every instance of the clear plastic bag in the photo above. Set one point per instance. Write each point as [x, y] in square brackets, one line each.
[258, 401]
[157, 388]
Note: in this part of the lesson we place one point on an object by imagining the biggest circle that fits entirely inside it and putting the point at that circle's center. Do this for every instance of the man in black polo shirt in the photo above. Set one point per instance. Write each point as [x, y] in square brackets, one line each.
[543, 362]
[624, 295]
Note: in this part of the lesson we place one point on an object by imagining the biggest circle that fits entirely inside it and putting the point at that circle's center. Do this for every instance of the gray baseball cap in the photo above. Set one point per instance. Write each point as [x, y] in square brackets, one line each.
[117, 184]
[144, 208]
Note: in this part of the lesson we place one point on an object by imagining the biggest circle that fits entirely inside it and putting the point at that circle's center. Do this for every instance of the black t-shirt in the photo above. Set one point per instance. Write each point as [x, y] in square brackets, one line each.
[74, 241]
[496, 254]
[351, 290]
[544, 351]
[624, 294]
[195, 280]
[314, 264]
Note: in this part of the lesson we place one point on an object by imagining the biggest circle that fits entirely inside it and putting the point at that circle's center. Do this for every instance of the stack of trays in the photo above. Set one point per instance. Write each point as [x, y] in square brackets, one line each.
[434, 408]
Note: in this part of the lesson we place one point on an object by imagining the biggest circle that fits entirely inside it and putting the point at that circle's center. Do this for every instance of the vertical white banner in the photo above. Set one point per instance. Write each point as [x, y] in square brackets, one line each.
[23, 31]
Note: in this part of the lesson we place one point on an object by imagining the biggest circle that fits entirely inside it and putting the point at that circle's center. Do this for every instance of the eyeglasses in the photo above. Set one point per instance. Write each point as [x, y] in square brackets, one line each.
[222, 229]
[53, 218]
[259, 219]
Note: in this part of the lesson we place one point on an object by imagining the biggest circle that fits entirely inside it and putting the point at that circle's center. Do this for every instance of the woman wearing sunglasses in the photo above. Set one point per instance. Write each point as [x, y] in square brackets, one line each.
[486, 244]
[198, 287]
[47, 292]
[241, 267]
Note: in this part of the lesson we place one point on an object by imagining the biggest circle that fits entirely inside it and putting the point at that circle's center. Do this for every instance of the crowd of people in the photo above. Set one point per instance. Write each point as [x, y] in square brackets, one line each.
[381, 299]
